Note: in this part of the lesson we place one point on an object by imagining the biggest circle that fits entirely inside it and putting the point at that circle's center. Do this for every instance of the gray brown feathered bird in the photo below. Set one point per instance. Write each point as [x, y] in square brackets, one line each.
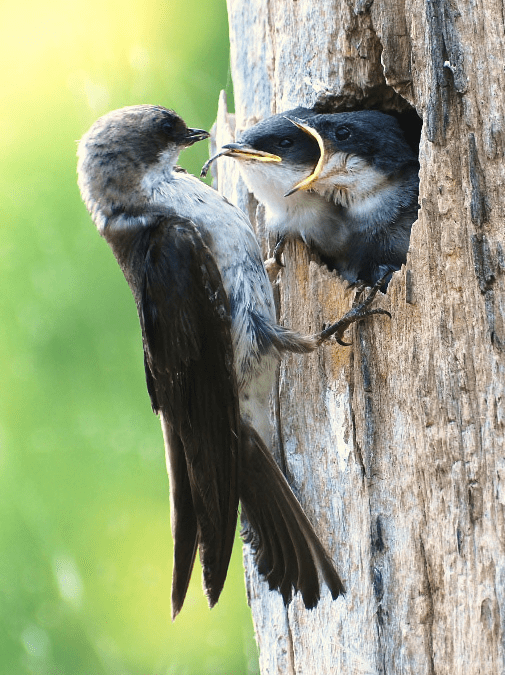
[211, 345]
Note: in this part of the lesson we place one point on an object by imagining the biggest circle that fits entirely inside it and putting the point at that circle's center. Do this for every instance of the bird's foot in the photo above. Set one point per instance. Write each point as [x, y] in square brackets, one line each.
[273, 268]
[359, 310]
[274, 264]
[279, 249]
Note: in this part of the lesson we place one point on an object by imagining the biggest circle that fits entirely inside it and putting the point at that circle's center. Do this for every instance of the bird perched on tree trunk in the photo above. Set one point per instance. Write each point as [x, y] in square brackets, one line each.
[211, 345]
[345, 183]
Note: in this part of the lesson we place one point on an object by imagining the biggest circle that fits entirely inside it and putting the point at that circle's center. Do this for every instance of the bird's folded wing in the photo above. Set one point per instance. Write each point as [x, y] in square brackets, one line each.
[184, 314]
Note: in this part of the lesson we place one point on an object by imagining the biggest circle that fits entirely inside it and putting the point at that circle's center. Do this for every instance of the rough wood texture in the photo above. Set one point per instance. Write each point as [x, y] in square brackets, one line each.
[395, 446]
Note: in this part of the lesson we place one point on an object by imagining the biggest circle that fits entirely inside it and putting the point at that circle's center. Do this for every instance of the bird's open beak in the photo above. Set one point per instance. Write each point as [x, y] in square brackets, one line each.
[240, 151]
[244, 151]
[307, 182]
[195, 135]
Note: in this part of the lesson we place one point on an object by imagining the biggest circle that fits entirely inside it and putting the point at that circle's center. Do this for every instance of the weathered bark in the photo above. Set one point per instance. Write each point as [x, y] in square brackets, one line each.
[395, 446]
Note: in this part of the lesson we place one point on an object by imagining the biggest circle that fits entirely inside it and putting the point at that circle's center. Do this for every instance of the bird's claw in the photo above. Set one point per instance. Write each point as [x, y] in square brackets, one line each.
[273, 265]
[338, 329]
[278, 250]
[359, 310]
[273, 268]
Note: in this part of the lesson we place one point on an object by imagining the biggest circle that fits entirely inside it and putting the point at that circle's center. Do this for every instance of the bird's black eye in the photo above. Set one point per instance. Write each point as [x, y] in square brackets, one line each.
[285, 143]
[342, 133]
[168, 126]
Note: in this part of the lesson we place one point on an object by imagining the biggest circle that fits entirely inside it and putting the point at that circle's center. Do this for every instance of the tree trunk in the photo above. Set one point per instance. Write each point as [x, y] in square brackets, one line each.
[394, 446]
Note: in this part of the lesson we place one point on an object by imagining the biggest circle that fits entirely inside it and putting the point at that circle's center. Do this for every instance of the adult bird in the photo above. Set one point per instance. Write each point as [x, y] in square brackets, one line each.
[211, 344]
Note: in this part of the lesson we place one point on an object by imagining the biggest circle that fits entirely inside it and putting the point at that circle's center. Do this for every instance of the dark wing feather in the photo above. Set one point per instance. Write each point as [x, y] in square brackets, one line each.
[184, 522]
[185, 321]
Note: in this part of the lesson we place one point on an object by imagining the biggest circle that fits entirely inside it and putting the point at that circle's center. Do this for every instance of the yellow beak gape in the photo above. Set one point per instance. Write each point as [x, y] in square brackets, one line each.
[245, 153]
[258, 155]
[306, 182]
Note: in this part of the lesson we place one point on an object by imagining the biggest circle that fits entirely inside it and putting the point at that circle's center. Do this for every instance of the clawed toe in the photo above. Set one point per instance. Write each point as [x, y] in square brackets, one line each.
[273, 268]
[359, 310]
[338, 329]
[279, 248]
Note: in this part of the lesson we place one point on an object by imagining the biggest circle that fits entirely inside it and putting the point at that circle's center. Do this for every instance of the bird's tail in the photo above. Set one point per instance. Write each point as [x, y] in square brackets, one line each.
[288, 552]
[284, 339]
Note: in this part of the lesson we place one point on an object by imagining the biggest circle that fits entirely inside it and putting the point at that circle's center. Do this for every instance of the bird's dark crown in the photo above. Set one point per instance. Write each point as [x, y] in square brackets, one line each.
[121, 148]
[279, 136]
[143, 132]
[370, 134]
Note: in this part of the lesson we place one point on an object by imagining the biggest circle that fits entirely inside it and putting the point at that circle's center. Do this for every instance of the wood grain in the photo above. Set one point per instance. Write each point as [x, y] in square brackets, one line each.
[395, 446]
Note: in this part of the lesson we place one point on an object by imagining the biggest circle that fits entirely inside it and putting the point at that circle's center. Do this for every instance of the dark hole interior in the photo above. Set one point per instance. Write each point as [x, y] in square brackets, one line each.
[411, 125]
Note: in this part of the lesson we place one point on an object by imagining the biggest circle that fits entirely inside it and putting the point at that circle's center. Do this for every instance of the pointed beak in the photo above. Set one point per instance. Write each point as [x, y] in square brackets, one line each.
[240, 151]
[244, 151]
[195, 135]
[307, 182]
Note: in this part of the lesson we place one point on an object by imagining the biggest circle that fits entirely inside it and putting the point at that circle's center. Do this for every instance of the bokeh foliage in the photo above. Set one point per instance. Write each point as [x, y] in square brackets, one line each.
[85, 546]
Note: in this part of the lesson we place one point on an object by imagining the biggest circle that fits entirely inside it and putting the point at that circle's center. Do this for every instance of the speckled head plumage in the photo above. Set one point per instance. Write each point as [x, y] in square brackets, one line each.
[121, 146]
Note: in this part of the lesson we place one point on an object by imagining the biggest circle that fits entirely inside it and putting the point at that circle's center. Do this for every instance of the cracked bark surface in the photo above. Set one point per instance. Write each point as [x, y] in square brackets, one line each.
[395, 446]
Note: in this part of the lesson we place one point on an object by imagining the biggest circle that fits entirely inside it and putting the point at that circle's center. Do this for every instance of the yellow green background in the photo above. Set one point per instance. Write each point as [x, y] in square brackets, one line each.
[85, 545]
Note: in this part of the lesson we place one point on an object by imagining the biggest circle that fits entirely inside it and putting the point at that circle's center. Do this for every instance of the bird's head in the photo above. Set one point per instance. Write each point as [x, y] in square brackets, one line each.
[122, 147]
[274, 154]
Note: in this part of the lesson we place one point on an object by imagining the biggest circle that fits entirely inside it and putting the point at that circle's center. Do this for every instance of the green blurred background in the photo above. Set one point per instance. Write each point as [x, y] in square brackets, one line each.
[85, 545]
